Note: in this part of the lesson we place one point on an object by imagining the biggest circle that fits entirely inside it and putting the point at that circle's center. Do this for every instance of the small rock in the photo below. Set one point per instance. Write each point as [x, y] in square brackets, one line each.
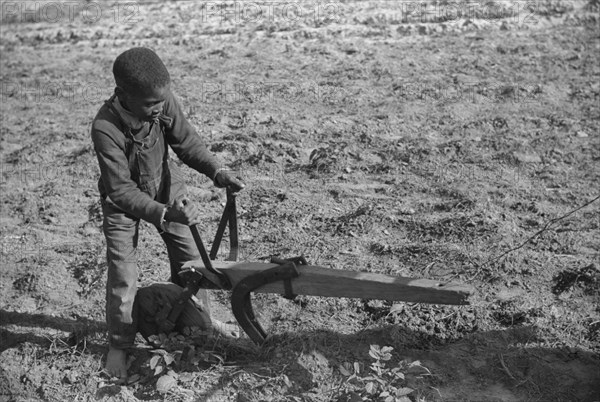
[375, 304]
[582, 134]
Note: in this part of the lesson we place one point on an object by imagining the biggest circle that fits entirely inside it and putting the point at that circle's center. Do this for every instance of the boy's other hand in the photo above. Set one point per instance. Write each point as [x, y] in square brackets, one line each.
[226, 179]
[184, 212]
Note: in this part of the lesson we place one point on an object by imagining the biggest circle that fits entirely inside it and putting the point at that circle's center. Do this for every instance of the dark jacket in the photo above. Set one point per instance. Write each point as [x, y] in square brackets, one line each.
[134, 170]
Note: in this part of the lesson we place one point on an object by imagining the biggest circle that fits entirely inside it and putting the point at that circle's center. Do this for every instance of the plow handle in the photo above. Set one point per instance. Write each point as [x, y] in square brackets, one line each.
[224, 282]
[229, 217]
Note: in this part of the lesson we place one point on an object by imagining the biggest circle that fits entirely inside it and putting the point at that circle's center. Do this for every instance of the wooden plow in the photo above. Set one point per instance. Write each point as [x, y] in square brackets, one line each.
[292, 277]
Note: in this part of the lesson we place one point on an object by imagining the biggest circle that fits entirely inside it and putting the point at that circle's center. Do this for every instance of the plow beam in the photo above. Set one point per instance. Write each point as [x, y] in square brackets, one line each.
[313, 280]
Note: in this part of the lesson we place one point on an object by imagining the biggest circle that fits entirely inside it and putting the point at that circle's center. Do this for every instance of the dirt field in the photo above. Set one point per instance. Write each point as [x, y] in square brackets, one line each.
[446, 140]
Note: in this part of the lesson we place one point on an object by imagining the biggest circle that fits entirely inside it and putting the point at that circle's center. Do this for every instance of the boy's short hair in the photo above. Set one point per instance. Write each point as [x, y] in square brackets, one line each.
[139, 69]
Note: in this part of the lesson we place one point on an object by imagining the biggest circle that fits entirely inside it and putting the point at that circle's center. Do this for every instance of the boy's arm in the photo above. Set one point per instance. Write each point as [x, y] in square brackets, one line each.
[116, 177]
[186, 143]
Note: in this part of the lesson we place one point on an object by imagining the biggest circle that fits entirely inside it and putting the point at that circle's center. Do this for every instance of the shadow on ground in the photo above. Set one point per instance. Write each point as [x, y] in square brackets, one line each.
[26, 341]
[78, 328]
[492, 366]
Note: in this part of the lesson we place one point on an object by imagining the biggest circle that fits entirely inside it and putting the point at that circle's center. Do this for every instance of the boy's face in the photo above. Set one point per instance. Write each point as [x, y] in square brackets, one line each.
[145, 106]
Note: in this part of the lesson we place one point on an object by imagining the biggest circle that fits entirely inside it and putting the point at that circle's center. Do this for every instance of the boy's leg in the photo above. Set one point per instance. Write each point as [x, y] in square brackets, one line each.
[121, 233]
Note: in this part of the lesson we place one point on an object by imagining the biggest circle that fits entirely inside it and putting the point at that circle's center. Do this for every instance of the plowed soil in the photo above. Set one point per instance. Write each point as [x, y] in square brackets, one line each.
[450, 141]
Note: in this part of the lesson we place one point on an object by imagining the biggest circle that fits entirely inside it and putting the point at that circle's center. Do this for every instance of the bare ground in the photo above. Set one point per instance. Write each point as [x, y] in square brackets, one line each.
[373, 137]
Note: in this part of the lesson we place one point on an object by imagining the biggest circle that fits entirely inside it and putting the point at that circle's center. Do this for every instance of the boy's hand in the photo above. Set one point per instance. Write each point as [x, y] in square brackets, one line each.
[184, 212]
[225, 179]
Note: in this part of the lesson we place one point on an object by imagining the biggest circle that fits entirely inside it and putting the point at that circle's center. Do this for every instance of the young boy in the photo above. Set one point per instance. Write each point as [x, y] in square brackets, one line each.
[130, 134]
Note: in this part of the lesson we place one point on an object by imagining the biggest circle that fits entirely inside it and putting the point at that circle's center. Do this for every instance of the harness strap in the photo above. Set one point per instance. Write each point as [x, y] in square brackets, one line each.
[229, 216]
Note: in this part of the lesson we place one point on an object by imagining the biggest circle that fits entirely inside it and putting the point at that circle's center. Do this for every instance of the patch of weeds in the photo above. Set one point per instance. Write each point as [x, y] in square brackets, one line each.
[27, 208]
[32, 256]
[588, 277]
[95, 212]
[378, 248]
[327, 159]
[375, 309]
[26, 283]
[552, 8]
[177, 352]
[261, 156]
[525, 207]
[457, 227]
[379, 168]
[593, 332]
[432, 323]
[454, 205]
[58, 371]
[227, 145]
[510, 314]
[511, 319]
[380, 382]
[429, 260]
[259, 387]
[351, 223]
[559, 241]
[88, 269]
[458, 201]
[592, 6]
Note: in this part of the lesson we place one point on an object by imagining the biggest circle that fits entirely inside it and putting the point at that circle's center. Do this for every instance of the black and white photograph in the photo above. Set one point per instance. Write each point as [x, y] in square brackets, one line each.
[300, 200]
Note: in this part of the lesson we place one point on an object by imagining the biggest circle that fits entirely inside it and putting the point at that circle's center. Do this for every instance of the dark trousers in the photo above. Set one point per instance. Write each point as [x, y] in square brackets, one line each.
[121, 231]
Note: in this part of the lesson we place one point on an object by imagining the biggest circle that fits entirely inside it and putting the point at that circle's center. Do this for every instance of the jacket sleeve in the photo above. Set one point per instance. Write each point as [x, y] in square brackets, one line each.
[116, 177]
[185, 141]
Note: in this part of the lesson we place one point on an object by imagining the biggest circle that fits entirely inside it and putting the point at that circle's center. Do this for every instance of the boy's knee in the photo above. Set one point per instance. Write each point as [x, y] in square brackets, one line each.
[122, 251]
[122, 258]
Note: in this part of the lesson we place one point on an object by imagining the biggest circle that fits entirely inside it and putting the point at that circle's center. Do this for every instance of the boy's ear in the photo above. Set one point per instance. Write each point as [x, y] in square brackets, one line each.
[119, 92]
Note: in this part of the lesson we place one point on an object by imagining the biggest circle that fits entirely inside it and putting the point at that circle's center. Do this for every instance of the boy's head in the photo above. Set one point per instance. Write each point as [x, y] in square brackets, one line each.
[142, 82]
